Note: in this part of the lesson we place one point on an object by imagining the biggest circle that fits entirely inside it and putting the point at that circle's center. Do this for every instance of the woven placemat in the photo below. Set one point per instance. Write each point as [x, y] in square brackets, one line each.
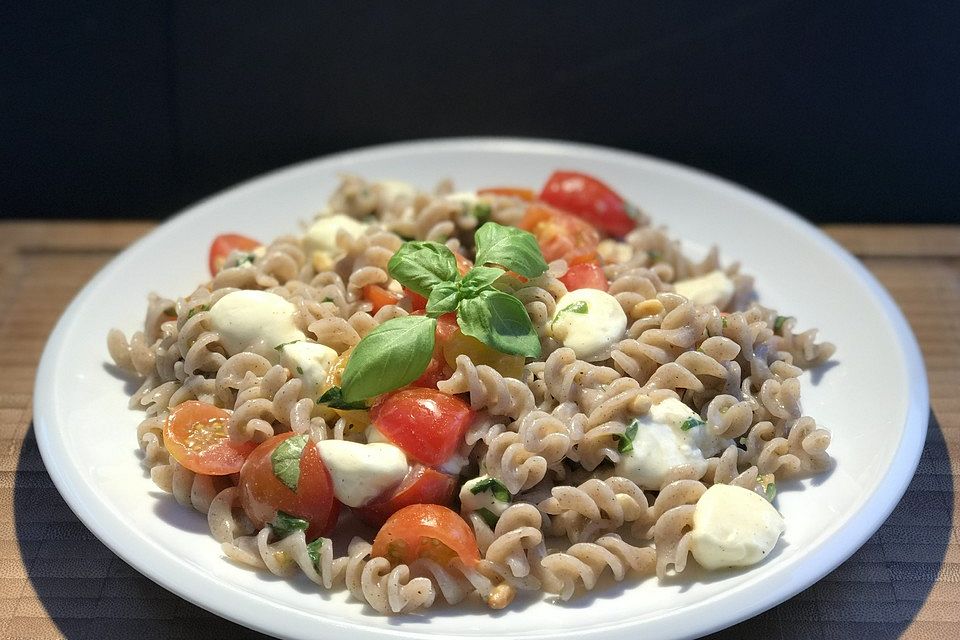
[57, 580]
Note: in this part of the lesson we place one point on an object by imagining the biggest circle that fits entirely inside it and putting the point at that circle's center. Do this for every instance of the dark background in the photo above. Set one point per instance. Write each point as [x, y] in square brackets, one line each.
[844, 111]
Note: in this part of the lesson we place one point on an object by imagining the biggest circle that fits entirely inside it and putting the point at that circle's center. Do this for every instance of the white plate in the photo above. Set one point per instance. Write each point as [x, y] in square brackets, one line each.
[874, 400]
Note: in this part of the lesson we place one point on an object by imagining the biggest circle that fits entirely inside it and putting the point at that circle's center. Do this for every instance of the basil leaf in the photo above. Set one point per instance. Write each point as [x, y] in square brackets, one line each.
[443, 299]
[285, 524]
[487, 516]
[692, 423]
[286, 460]
[778, 323]
[313, 550]
[499, 320]
[393, 355]
[625, 442]
[478, 279]
[655, 256]
[420, 266]
[196, 310]
[512, 248]
[333, 398]
[494, 486]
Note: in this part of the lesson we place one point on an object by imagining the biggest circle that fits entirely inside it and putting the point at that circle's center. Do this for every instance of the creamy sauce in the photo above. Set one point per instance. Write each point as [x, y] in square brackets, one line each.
[733, 527]
[254, 321]
[590, 322]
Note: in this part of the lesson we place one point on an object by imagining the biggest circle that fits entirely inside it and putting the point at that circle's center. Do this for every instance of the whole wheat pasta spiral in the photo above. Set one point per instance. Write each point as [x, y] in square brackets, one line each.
[594, 458]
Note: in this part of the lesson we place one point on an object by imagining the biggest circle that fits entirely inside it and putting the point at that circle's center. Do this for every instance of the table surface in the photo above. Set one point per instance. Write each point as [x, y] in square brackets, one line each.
[57, 580]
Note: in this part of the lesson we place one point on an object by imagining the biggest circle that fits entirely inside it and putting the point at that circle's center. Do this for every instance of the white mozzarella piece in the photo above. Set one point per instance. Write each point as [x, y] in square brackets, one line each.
[470, 501]
[590, 322]
[713, 288]
[254, 321]
[361, 472]
[661, 444]
[309, 361]
[466, 198]
[390, 190]
[322, 234]
[733, 527]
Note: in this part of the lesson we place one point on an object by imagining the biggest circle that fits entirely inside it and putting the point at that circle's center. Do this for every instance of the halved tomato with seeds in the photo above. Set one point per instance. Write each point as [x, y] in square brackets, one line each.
[426, 531]
[195, 434]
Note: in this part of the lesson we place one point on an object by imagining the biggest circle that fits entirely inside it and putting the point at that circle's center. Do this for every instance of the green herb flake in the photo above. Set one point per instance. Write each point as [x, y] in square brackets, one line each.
[286, 461]
[625, 442]
[691, 423]
[279, 347]
[770, 491]
[247, 258]
[655, 256]
[487, 516]
[333, 398]
[327, 299]
[313, 550]
[196, 310]
[495, 487]
[778, 323]
[724, 321]
[482, 212]
[300, 370]
[580, 307]
[285, 524]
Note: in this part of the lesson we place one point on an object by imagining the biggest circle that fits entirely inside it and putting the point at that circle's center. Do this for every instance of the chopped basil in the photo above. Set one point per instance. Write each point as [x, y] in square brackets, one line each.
[327, 299]
[655, 256]
[285, 524]
[313, 550]
[488, 516]
[580, 307]
[196, 310]
[770, 491]
[482, 212]
[724, 321]
[333, 398]
[691, 423]
[778, 323]
[300, 370]
[280, 347]
[286, 460]
[246, 259]
[495, 487]
[625, 442]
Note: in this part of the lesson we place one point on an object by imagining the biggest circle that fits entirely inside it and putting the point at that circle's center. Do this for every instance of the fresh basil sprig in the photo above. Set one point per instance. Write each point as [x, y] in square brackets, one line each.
[397, 352]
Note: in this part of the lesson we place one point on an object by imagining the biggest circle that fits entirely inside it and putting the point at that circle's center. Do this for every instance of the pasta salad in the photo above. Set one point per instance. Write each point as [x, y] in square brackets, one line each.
[503, 390]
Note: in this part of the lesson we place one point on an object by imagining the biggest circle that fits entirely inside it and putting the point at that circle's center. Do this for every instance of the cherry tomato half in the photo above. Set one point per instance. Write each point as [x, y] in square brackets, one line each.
[586, 275]
[560, 235]
[223, 245]
[512, 192]
[379, 297]
[422, 485]
[426, 531]
[590, 199]
[437, 369]
[195, 434]
[262, 494]
[427, 424]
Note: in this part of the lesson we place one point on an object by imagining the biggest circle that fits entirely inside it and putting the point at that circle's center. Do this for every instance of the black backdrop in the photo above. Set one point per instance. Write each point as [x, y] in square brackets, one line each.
[840, 110]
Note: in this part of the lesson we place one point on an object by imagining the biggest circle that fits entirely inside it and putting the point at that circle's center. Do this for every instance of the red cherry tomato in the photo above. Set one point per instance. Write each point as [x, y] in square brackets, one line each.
[586, 275]
[427, 424]
[437, 368]
[224, 244]
[422, 485]
[379, 297]
[195, 434]
[560, 235]
[590, 199]
[262, 494]
[426, 531]
[513, 192]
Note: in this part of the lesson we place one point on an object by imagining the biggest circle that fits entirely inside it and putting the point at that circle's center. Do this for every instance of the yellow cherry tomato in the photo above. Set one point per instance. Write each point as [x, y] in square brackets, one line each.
[459, 343]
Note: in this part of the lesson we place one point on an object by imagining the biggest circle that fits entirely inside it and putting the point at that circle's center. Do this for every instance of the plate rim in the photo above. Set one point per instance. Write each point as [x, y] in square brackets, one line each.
[837, 548]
